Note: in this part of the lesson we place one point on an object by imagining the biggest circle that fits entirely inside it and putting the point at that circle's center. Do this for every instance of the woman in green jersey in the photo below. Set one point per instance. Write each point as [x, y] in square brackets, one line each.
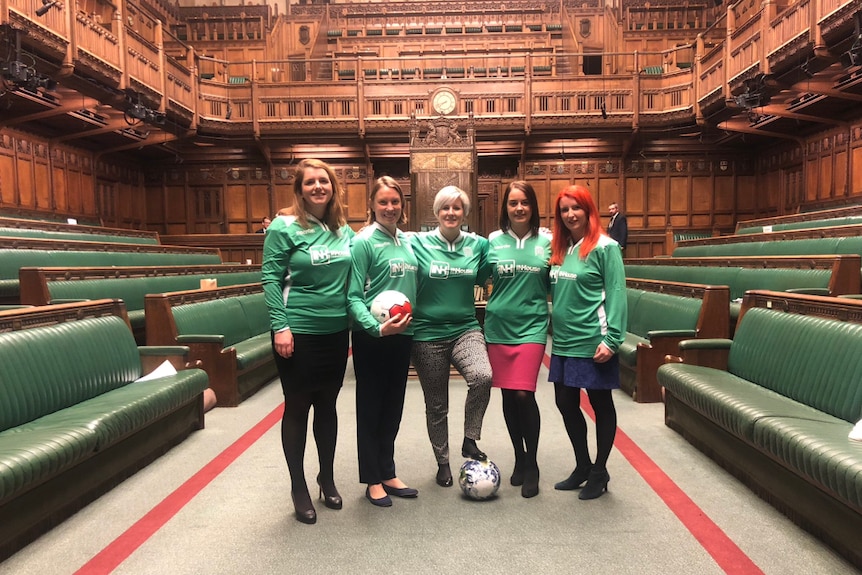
[516, 323]
[445, 328]
[588, 288]
[306, 264]
[382, 260]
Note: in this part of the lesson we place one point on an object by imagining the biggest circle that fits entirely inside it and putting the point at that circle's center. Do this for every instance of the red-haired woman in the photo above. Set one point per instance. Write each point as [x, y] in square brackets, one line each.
[588, 287]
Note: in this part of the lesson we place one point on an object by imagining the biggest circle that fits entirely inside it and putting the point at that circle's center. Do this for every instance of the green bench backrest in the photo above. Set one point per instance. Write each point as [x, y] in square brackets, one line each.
[133, 291]
[738, 279]
[77, 236]
[46, 369]
[12, 260]
[828, 223]
[256, 313]
[658, 311]
[809, 246]
[217, 317]
[812, 360]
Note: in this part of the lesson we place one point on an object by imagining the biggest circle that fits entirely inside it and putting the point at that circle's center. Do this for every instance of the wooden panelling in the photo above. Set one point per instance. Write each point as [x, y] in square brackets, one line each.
[43, 186]
[825, 188]
[58, 185]
[634, 197]
[357, 200]
[856, 170]
[543, 197]
[840, 188]
[259, 204]
[175, 204]
[608, 193]
[679, 221]
[235, 200]
[25, 183]
[773, 191]
[657, 195]
[746, 194]
[812, 173]
[656, 221]
[8, 189]
[679, 194]
[723, 191]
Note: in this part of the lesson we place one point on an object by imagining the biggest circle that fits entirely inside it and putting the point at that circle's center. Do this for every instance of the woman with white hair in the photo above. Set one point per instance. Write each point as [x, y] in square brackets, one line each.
[445, 328]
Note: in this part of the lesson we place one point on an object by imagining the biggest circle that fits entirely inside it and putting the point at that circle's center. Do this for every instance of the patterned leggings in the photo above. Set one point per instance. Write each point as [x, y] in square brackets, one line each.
[468, 354]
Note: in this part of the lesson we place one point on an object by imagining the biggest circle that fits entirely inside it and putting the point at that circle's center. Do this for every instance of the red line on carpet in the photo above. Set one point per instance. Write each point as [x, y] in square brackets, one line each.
[730, 558]
[120, 548]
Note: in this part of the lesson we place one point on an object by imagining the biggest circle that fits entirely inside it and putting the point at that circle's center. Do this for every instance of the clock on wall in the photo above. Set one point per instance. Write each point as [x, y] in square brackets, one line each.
[444, 101]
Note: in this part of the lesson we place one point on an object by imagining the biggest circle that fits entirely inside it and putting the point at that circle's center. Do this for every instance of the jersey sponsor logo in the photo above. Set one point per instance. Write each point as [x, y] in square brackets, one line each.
[539, 251]
[558, 274]
[306, 232]
[398, 267]
[468, 251]
[320, 255]
[438, 270]
[506, 268]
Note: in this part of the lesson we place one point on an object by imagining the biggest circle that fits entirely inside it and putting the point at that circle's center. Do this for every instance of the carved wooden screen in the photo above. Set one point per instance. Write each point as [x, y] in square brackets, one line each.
[440, 156]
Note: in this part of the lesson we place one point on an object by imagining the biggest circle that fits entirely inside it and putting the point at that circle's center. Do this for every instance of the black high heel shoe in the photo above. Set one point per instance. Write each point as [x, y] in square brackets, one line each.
[444, 475]
[517, 478]
[575, 480]
[329, 494]
[470, 450]
[596, 485]
[303, 507]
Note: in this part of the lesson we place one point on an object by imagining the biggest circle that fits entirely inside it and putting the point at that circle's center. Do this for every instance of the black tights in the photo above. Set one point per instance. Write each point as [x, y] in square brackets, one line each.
[294, 429]
[569, 403]
[522, 420]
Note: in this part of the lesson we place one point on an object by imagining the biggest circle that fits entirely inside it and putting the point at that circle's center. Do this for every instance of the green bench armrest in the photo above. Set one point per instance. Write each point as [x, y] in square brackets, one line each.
[708, 343]
[68, 300]
[162, 350]
[809, 291]
[671, 333]
[201, 338]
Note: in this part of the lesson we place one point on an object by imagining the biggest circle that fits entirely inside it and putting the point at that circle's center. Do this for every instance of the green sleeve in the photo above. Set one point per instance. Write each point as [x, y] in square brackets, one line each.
[361, 260]
[277, 248]
[615, 297]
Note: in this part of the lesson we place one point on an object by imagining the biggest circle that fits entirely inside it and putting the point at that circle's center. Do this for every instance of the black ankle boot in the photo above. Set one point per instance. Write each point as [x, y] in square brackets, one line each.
[444, 475]
[470, 450]
[596, 485]
[575, 480]
[531, 482]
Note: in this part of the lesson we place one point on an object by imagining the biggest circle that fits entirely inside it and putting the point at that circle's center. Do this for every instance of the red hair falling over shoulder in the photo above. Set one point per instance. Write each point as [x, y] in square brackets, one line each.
[562, 236]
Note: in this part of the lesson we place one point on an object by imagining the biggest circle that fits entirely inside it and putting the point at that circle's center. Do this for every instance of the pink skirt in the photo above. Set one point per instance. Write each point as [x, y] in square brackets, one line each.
[516, 366]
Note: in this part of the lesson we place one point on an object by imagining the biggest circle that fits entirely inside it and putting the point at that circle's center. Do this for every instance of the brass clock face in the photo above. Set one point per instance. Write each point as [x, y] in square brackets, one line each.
[444, 102]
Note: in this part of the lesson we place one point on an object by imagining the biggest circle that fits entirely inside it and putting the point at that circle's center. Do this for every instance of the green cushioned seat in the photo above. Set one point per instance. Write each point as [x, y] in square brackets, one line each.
[253, 351]
[656, 311]
[29, 455]
[628, 351]
[730, 401]
[76, 236]
[818, 450]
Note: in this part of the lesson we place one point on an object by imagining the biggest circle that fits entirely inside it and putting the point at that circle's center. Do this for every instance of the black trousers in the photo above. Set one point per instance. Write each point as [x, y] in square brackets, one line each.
[380, 364]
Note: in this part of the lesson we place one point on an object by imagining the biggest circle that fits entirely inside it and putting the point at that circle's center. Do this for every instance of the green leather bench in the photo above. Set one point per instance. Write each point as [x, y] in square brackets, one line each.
[56, 230]
[808, 241]
[818, 275]
[16, 253]
[226, 329]
[776, 404]
[844, 221]
[660, 315]
[801, 217]
[40, 286]
[73, 420]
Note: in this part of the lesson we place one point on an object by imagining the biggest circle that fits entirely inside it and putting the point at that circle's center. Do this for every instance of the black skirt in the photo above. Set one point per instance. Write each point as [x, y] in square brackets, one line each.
[318, 362]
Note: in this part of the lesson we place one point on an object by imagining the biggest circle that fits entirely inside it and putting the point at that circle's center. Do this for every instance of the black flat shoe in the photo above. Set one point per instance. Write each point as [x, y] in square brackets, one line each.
[305, 512]
[384, 501]
[444, 475]
[405, 492]
[329, 494]
[575, 480]
[596, 485]
[470, 450]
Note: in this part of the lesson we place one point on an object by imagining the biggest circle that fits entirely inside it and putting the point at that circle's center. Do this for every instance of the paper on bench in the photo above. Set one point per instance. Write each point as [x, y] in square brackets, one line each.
[164, 370]
[856, 432]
